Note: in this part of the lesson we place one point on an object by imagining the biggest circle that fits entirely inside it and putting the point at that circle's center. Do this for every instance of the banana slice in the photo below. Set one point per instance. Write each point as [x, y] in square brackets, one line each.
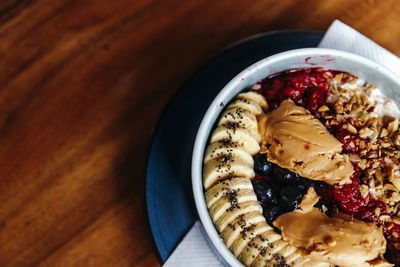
[261, 245]
[247, 104]
[231, 233]
[216, 170]
[213, 194]
[269, 250]
[241, 118]
[256, 97]
[303, 261]
[251, 232]
[218, 150]
[287, 250]
[231, 200]
[253, 249]
[293, 256]
[228, 217]
[276, 247]
[241, 137]
[261, 260]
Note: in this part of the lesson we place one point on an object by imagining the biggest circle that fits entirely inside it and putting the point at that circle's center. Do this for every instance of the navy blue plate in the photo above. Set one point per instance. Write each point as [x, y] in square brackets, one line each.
[170, 205]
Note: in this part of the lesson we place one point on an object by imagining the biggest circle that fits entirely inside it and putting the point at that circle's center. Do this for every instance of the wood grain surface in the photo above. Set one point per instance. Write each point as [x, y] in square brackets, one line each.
[82, 85]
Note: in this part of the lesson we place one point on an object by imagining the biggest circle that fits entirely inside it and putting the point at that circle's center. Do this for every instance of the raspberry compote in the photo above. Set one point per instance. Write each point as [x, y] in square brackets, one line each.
[307, 87]
[343, 103]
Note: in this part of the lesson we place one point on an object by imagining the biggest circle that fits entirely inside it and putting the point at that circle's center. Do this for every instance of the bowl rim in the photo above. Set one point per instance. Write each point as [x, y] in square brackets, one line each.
[209, 119]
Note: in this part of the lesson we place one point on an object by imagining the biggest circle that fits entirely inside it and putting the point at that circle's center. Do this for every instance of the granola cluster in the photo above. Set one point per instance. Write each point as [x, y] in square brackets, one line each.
[371, 139]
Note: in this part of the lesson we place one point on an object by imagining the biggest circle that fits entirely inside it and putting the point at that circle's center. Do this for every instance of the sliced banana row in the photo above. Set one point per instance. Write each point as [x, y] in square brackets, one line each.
[234, 141]
[230, 198]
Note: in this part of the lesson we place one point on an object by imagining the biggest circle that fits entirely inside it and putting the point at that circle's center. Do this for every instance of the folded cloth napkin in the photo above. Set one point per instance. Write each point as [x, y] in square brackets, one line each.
[195, 249]
[342, 37]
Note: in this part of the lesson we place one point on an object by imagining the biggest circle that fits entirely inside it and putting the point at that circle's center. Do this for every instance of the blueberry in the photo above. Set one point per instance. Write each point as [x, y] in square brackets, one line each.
[271, 213]
[261, 164]
[284, 176]
[307, 182]
[265, 192]
[290, 197]
[327, 206]
[304, 184]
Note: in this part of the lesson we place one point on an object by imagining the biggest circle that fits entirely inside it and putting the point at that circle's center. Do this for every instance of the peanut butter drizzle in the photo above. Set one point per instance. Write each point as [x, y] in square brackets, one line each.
[294, 139]
[339, 240]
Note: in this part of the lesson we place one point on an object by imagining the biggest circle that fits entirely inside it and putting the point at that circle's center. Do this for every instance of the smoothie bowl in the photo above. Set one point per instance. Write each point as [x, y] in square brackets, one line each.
[296, 163]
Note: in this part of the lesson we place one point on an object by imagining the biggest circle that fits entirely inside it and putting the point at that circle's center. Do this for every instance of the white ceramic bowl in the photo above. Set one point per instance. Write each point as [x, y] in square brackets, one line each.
[375, 74]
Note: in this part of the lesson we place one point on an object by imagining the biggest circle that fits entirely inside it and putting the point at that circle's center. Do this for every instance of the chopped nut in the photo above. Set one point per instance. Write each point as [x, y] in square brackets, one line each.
[384, 132]
[388, 152]
[396, 139]
[340, 117]
[359, 101]
[394, 177]
[364, 99]
[371, 171]
[339, 108]
[362, 164]
[356, 107]
[334, 89]
[366, 132]
[373, 121]
[353, 99]
[384, 218]
[393, 126]
[396, 208]
[354, 157]
[377, 211]
[384, 144]
[395, 196]
[375, 164]
[334, 122]
[364, 190]
[396, 220]
[361, 115]
[351, 128]
[371, 183]
[362, 144]
[363, 152]
[378, 175]
[323, 108]
[390, 187]
[339, 77]
[373, 154]
[374, 146]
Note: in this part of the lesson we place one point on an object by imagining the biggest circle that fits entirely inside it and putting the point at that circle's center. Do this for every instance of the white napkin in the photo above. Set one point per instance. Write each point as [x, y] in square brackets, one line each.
[342, 37]
[195, 249]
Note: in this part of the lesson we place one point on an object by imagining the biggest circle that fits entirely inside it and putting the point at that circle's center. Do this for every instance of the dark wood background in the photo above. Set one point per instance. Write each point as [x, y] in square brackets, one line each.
[82, 84]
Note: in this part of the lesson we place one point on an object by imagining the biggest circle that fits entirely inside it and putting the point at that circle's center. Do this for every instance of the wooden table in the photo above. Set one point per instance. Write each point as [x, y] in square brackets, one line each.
[82, 85]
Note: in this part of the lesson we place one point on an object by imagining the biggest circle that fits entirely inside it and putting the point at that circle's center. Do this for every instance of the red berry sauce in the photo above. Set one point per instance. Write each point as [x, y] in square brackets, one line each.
[310, 89]
[307, 87]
